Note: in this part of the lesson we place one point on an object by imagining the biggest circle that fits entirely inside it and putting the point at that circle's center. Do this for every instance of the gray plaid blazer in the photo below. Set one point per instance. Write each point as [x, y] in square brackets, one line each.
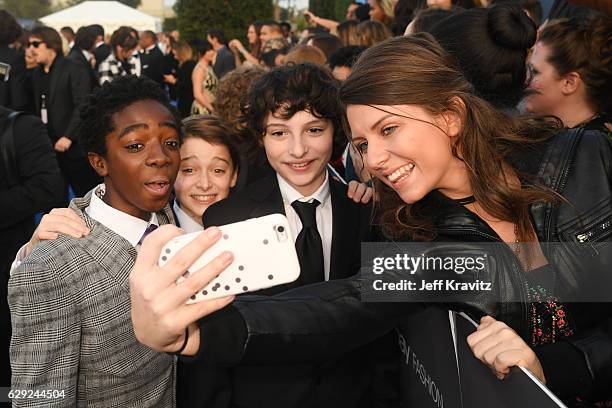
[72, 330]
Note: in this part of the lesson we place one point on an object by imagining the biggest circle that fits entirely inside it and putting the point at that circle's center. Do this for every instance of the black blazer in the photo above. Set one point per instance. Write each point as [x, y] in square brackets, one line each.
[13, 93]
[351, 222]
[69, 86]
[154, 65]
[101, 53]
[77, 56]
[345, 381]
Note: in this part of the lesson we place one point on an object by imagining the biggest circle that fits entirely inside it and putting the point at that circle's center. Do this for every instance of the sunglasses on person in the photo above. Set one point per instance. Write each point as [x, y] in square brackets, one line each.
[35, 43]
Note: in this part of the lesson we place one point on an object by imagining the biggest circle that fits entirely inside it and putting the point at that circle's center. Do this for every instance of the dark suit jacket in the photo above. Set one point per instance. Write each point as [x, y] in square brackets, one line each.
[13, 93]
[77, 56]
[39, 186]
[345, 381]
[69, 85]
[153, 65]
[225, 62]
[351, 222]
[101, 53]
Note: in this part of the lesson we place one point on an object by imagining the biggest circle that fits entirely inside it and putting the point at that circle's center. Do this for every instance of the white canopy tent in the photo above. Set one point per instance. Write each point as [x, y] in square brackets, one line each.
[109, 14]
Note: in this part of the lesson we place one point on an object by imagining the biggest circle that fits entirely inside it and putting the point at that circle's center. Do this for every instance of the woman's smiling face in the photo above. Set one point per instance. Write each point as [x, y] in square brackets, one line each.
[408, 149]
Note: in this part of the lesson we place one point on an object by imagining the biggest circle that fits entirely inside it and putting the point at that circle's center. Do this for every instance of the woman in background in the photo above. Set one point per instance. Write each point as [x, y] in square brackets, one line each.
[204, 80]
[182, 78]
[571, 68]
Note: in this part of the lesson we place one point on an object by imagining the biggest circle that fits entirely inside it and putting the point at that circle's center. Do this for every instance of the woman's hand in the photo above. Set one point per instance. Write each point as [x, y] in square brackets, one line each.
[310, 17]
[500, 347]
[359, 192]
[160, 314]
[58, 221]
[236, 45]
[170, 79]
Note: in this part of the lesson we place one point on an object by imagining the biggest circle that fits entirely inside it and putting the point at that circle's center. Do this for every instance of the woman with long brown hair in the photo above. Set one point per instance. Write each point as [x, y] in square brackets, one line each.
[452, 170]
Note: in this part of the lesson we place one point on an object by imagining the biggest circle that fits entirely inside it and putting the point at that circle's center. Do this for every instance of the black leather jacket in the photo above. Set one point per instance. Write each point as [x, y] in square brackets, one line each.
[318, 321]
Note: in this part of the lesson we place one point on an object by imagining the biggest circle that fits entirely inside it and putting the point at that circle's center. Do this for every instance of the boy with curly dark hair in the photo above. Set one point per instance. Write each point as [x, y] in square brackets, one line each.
[69, 298]
[294, 114]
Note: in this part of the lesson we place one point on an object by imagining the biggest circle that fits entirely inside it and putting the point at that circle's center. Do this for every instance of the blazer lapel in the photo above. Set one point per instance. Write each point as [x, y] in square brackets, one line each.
[342, 231]
[58, 70]
[267, 197]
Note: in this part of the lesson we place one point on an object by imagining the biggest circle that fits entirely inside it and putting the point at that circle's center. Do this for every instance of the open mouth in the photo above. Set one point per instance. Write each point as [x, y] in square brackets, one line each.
[160, 187]
[401, 173]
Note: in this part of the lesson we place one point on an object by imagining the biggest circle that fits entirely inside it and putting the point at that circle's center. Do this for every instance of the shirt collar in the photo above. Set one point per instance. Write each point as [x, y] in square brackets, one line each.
[127, 226]
[87, 55]
[290, 194]
[150, 48]
[185, 221]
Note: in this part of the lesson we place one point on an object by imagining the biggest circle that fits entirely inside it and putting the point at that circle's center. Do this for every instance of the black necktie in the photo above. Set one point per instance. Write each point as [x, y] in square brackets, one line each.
[308, 244]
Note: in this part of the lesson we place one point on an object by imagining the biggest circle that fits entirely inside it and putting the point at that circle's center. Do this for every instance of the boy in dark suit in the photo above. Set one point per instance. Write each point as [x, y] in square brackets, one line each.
[294, 113]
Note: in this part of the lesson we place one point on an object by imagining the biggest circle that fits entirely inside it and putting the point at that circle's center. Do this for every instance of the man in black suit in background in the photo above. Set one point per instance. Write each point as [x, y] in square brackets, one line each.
[101, 50]
[225, 61]
[82, 52]
[60, 87]
[13, 73]
[30, 182]
[152, 59]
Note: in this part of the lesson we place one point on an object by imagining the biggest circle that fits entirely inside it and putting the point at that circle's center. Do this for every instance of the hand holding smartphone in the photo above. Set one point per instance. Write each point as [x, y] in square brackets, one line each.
[264, 256]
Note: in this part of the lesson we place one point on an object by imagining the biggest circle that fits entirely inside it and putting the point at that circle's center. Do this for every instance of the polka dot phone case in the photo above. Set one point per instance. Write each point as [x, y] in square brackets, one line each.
[264, 256]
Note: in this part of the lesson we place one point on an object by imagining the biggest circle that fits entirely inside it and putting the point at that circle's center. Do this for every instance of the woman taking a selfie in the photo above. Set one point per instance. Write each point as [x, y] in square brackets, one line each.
[449, 168]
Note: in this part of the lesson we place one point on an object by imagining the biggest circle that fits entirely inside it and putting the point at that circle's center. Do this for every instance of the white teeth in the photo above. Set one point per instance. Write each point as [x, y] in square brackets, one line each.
[204, 198]
[299, 165]
[399, 173]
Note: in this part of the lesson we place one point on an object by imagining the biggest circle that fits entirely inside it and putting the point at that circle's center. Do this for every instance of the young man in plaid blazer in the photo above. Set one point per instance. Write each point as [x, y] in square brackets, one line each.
[69, 299]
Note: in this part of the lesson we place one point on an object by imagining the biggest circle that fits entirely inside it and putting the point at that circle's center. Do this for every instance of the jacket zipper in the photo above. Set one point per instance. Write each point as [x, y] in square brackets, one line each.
[597, 233]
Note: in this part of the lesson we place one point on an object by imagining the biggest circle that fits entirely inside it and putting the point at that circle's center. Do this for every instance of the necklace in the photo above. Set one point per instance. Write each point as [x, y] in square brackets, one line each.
[517, 248]
[466, 200]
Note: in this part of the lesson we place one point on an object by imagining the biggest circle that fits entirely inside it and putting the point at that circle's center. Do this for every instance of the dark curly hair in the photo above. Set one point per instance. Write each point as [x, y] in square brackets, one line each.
[290, 89]
[96, 114]
[10, 30]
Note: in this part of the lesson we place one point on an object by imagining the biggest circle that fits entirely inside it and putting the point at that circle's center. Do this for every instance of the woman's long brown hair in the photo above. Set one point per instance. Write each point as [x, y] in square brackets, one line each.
[415, 70]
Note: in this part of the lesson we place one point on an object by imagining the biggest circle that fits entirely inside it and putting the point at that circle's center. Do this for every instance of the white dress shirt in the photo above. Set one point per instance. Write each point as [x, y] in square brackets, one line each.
[323, 213]
[125, 225]
[185, 221]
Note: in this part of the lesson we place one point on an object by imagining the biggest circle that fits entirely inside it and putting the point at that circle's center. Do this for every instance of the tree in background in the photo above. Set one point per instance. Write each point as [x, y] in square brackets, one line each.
[323, 8]
[195, 17]
[341, 6]
[31, 9]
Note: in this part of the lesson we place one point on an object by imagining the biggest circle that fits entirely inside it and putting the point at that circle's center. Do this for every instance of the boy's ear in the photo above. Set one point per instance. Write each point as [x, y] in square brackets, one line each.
[98, 163]
[234, 179]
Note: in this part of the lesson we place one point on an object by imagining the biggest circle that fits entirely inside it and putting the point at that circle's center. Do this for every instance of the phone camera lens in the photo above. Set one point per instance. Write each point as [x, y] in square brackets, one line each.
[280, 228]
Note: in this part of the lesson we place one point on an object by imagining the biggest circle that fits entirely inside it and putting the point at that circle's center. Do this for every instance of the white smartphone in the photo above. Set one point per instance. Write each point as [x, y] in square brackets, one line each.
[264, 256]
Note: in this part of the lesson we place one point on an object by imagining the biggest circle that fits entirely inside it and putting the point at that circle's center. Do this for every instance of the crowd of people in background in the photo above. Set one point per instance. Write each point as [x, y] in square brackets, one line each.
[223, 106]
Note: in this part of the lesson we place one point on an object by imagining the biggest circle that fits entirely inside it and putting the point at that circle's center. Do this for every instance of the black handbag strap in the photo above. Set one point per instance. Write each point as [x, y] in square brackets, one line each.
[7, 149]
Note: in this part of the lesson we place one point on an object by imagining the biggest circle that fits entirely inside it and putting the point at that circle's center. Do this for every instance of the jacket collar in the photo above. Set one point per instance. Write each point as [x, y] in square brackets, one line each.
[100, 239]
